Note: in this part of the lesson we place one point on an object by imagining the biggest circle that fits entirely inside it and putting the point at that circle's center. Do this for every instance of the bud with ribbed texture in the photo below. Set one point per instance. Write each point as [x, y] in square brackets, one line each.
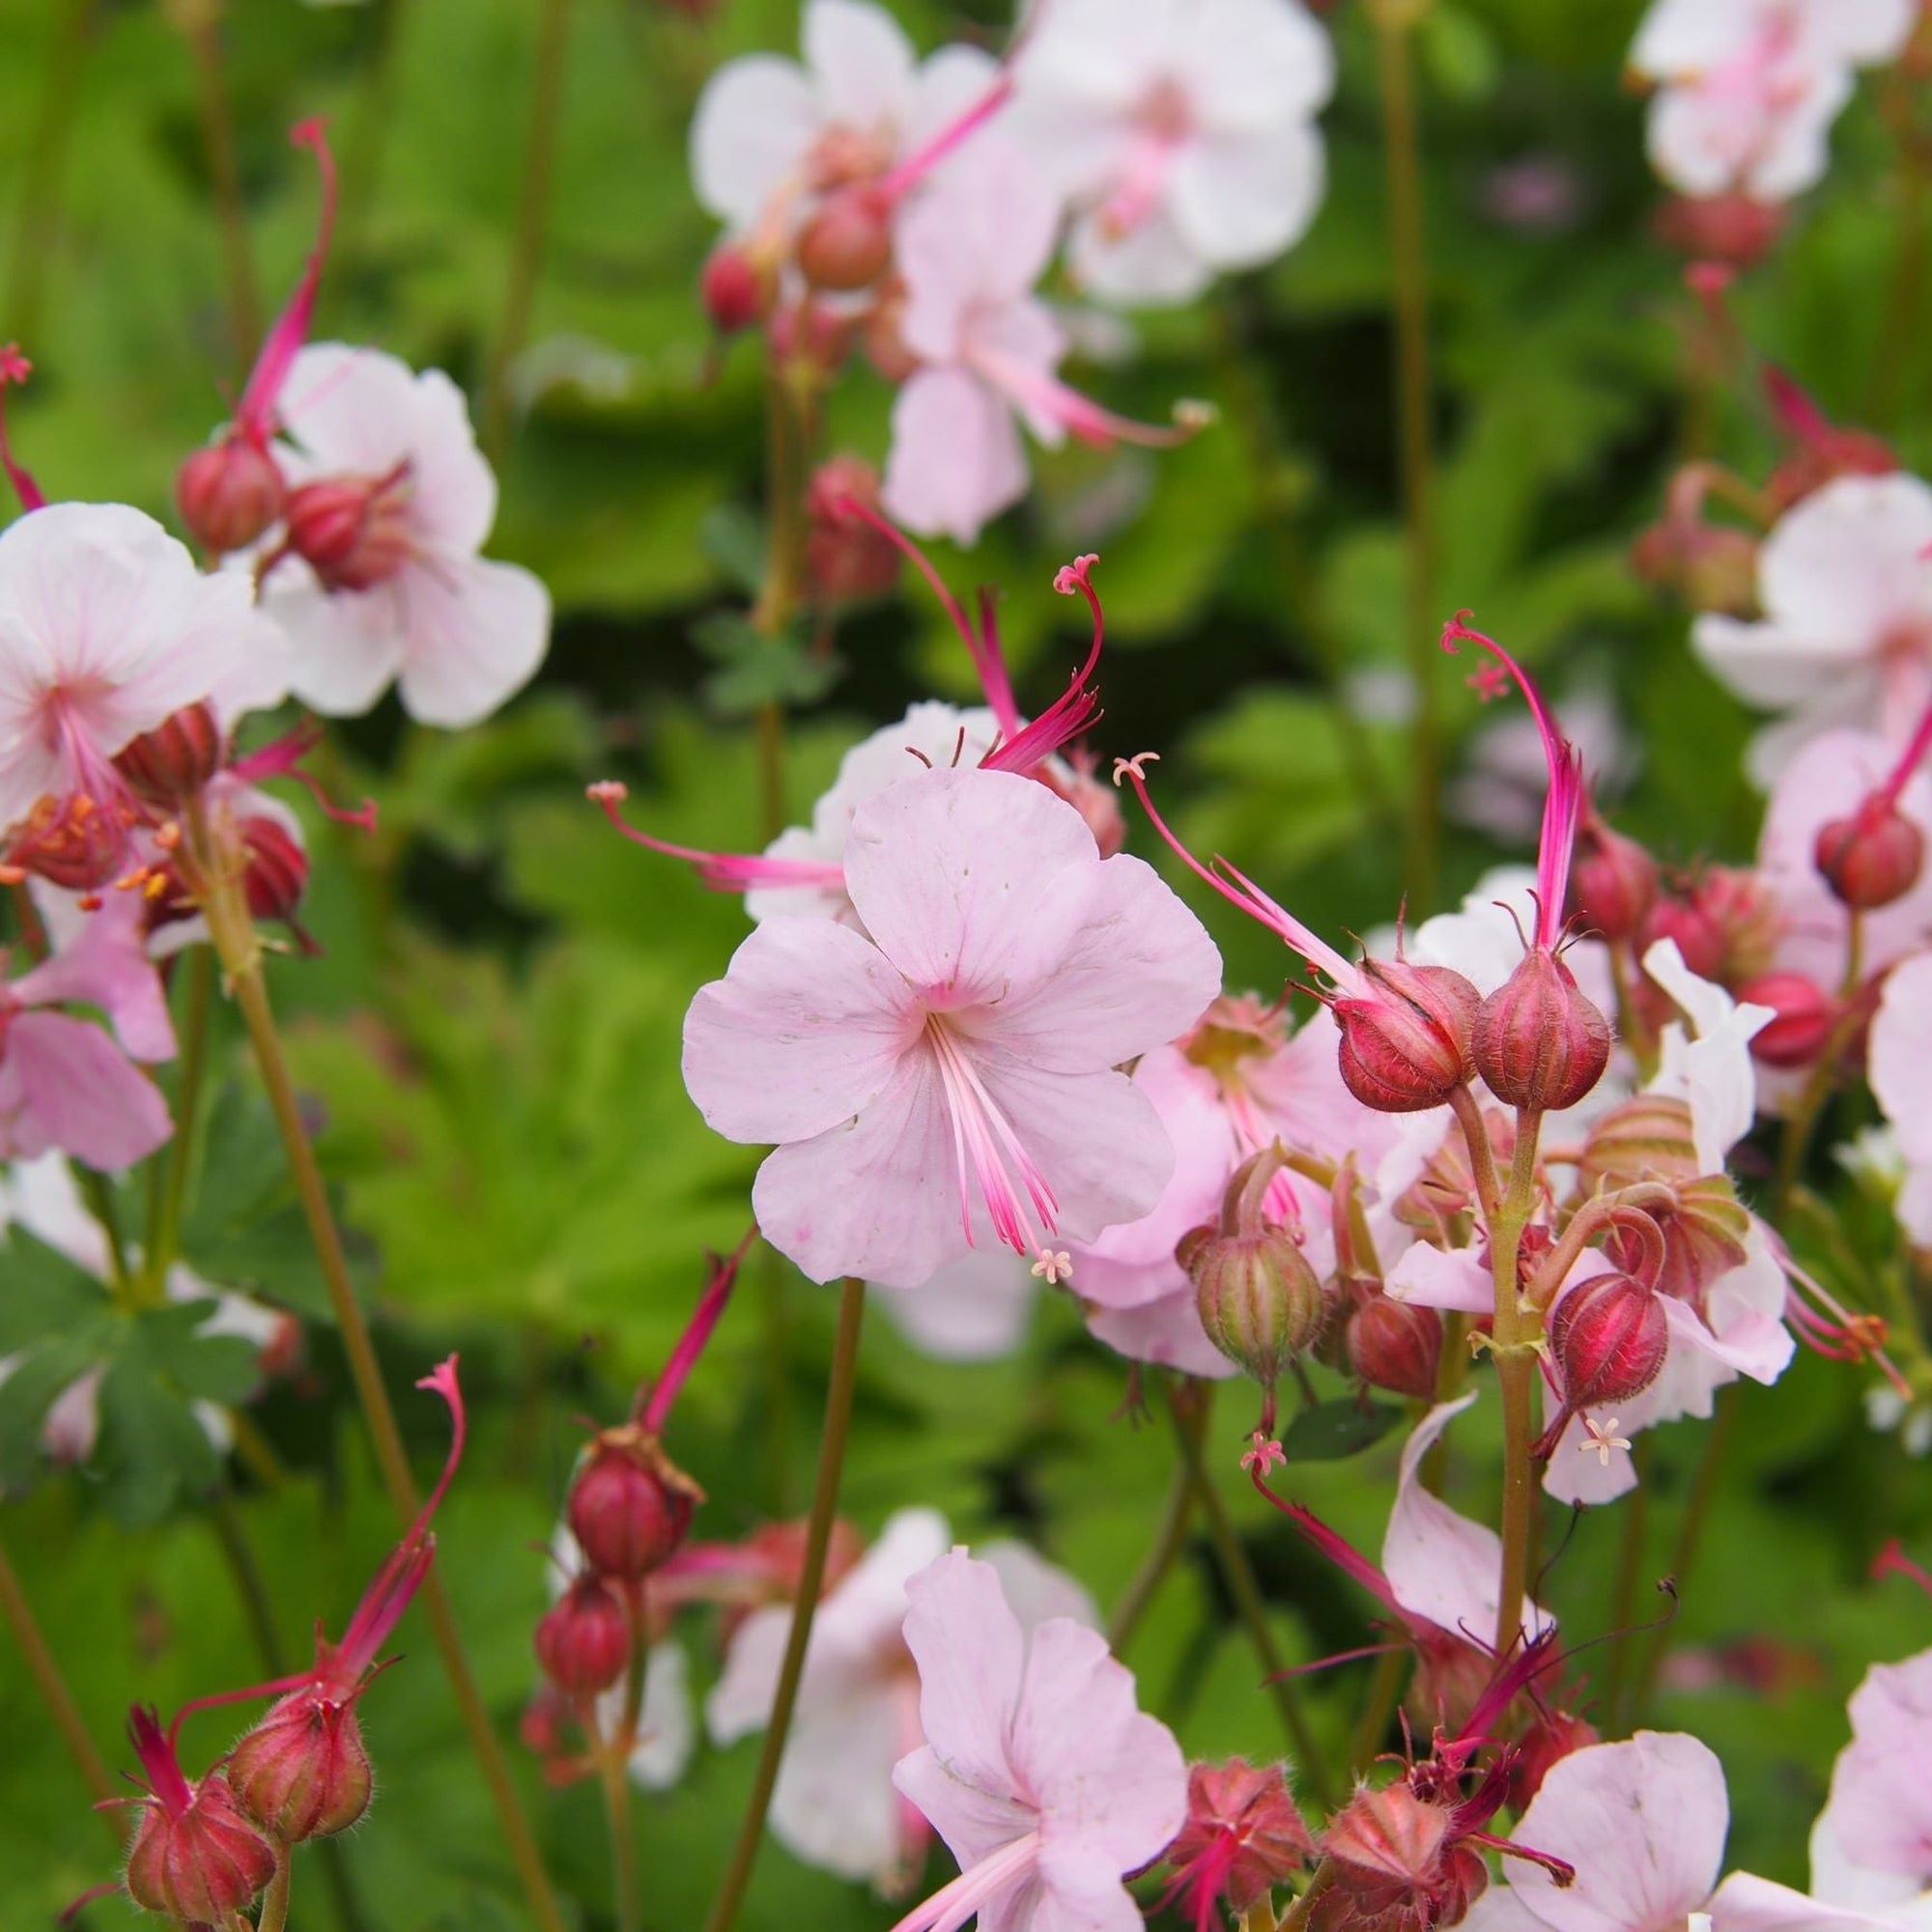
[229, 493]
[1244, 1836]
[1396, 1346]
[1804, 1015]
[1870, 858]
[736, 291]
[629, 1506]
[1648, 1137]
[1539, 1042]
[1690, 928]
[276, 869]
[194, 1858]
[1613, 880]
[584, 1639]
[1705, 1230]
[354, 532]
[1398, 1861]
[847, 243]
[173, 762]
[1406, 1035]
[1608, 1339]
[304, 1772]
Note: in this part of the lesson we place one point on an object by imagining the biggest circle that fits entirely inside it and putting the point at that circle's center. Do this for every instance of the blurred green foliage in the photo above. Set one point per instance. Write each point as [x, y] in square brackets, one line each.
[491, 1036]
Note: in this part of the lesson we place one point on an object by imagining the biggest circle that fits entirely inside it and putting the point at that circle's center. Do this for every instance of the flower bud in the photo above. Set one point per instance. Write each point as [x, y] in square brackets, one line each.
[200, 1861]
[630, 1506]
[1396, 1346]
[1405, 1042]
[736, 294]
[1612, 881]
[1608, 1338]
[1704, 1234]
[584, 1639]
[352, 532]
[845, 557]
[304, 1772]
[1540, 1044]
[1398, 1862]
[174, 761]
[1872, 857]
[1709, 566]
[1243, 1827]
[229, 494]
[1804, 1015]
[847, 243]
[1691, 928]
[1257, 1298]
[1729, 228]
[1647, 1138]
[276, 872]
[1745, 916]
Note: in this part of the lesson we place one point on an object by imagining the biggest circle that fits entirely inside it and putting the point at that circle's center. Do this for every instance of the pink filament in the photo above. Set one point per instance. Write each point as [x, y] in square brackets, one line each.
[983, 1139]
[15, 369]
[1076, 708]
[704, 1318]
[255, 414]
[722, 871]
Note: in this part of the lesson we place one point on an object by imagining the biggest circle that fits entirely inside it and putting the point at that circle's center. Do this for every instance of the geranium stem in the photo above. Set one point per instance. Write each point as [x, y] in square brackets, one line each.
[233, 931]
[614, 1776]
[173, 1168]
[1242, 1585]
[1394, 22]
[1513, 1342]
[805, 1605]
[52, 1686]
[275, 1900]
[533, 213]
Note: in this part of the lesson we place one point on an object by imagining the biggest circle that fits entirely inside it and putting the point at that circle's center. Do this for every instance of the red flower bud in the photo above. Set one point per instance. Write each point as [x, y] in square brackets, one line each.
[735, 292]
[1710, 566]
[1612, 881]
[1396, 1346]
[1730, 228]
[1539, 1043]
[1872, 857]
[1244, 1835]
[1745, 917]
[352, 532]
[1694, 930]
[1609, 1339]
[1549, 1741]
[194, 1857]
[847, 243]
[845, 557]
[1398, 1862]
[229, 494]
[584, 1639]
[1406, 1042]
[630, 1506]
[174, 761]
[304, 1772]
[1805, 1013]
[277, 868]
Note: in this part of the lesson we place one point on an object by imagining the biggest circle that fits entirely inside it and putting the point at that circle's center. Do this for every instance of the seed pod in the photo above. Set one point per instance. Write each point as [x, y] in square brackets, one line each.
[1540, 1044]
[173, 762]
[1613, 881]
[201, 1863]
[352, 532]
[736, 295]
[630, 1506]
[1872, 858]
[229, 494]
[1804, 1015]
[1405, 1041]
[304, 1772]
[847, 243]
[1609, 1339]
[1241, 1819]
[1396, 1346]
[584, 1639]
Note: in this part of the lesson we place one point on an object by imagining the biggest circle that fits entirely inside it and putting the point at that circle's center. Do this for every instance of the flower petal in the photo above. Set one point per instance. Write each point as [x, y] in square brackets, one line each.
[476, 632]
[971, 1658]
[756, 118]
[956, 458]
[861, 62]
[64, 1084]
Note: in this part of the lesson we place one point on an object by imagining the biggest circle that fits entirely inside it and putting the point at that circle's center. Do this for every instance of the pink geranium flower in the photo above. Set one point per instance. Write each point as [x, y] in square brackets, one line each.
[68, 1083]
[1047, 1781]
[1644, 1823]
[1182, 130]
[1846, 635]
[834, 1804]
[970, 251]
[949, 1073]
[377, 578]
[107, 627]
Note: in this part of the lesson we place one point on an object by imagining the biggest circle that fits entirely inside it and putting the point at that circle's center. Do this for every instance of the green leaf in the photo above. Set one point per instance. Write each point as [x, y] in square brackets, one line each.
[1333, 1430]
[152, 1446]
[42, 1292]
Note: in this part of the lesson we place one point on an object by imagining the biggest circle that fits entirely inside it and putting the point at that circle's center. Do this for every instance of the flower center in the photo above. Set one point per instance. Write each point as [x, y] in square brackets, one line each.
[992, 1161]
[1162, 122]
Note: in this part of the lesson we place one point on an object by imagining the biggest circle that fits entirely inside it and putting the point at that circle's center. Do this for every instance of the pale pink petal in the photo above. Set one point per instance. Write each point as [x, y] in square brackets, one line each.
[1713, 1073]
[1847, 564]
[1579, 1471]
[975, 1309]
[1746, 1903]
[1433, 1277]
[1099, 52]
[1152, 262]
[1684, 37]
[949, 82]
[973, 1821]
[1897, 1898]
[1250, 65]
[1035, 1590]
[1900, 1055]
[348, 409]
[875, 1196]
[755, 121]
[107, 965]
[1240, 199]
[475, 632]
[976, 242]
[1773, 666]
[64, 1084]
[807, 1027]
[1440, 1566]
[346, 645]
[1643, 1822]
[1166, 1331]
[1794, 150]
[665, 1732]
[956, 458]
[971, 1656]
[453, 493]
[1080, 1890]
[1878, 1795]
[861, 63]
[1110, 1778]
[1501, 1910]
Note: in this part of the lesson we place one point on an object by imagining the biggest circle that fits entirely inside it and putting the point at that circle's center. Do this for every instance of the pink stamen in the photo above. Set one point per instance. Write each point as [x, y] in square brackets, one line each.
[1341, 1553]
[698, 1332]
[1047, 399]
[1242, 892]
[984, 1140]
[1077, 707]
[722, 871]
[281, 758]
[15, 369]
[255, 414]
[1892, 1561]
[1563, 808]
[952, 1905]
[155, 1750]
[922, 161]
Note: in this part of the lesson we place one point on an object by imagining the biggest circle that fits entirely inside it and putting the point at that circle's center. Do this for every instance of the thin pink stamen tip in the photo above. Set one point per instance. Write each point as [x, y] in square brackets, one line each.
[1134, 768]
[1263, 1455]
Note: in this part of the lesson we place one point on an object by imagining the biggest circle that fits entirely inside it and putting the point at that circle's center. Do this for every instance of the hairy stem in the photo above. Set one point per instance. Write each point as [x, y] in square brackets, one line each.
[275, 1900]
[805, 1605]
[1243, 1586]
[52, 1686]
[1394, 21]
[219, 887]
[1513, 1343]
[532, 215]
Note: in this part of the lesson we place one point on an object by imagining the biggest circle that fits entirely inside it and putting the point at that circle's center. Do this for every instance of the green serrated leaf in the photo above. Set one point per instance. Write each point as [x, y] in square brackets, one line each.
[1333, 1430]
[41, 1291]
[216, 1368]
[153, 1447]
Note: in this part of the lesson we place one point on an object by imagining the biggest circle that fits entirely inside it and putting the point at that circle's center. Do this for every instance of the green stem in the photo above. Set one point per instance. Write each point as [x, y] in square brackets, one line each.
[1245, 1589]
[1169, 1540]
[1899, 331]
[1295, 1917]
[532, 215]
[1512, 1341]
[218, 888]
[38, 210]
[1394, 21]
[839, 1396]
[167, 1202]
[613, 1775]
[98, 1195]
[201, 25]
[52, 1686]
[275, 1900]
